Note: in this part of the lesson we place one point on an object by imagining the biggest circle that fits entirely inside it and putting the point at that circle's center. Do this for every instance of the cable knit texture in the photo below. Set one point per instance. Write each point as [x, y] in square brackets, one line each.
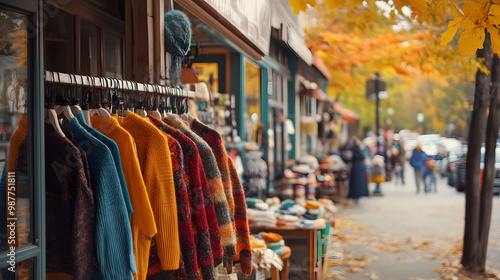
[217, 194]
[206, 233]
[189, 262]
[113, 232]
[70, 208]
[142, 221]
[116, 157]
[156, 166]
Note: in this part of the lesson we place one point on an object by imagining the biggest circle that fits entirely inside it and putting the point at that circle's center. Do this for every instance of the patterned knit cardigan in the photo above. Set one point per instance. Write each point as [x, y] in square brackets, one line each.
[217, 194]
[203, 212]
[234, 193]
[70, 207]
[188, 268]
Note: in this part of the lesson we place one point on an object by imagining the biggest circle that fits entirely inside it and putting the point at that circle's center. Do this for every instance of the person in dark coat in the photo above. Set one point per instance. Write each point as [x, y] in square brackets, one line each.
[358, 183]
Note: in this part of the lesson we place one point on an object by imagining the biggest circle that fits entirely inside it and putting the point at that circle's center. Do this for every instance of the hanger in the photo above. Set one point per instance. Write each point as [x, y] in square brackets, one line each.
[155, 112]
[186, 116]
[125, 105]
[50, 113]
[86, 99]
[139, 108]
[63, 101]
[102, 111]
[75, 101]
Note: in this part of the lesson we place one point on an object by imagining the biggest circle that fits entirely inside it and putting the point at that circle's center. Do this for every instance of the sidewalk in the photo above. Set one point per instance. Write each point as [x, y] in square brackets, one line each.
[404, 235]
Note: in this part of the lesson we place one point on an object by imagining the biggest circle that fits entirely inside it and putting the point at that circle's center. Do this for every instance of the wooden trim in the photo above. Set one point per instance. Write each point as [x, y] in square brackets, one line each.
[159, 43]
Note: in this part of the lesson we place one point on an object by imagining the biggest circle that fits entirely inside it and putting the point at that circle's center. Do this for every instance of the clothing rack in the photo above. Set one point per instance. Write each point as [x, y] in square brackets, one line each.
[64, 78]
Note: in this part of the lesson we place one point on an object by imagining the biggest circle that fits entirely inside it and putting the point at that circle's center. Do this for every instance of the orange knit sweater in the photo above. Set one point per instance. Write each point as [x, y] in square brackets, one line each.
[16, 139]
[142, 220]
[156, 166]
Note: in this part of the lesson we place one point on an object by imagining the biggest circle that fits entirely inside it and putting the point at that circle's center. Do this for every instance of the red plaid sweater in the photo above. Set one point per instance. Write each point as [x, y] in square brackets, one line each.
[234, 193]
[206, 228]
[213, 175]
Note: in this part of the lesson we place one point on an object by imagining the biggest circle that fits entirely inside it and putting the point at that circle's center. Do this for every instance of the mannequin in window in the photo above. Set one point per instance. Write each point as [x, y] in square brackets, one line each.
[16, 96]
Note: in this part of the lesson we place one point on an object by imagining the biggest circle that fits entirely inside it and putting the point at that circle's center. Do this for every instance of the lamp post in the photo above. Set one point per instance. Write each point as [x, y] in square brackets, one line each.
[420, 120]
[375, 89]
[378, 190]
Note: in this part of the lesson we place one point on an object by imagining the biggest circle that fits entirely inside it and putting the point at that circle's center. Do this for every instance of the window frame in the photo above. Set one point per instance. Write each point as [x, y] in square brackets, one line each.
[36, 250]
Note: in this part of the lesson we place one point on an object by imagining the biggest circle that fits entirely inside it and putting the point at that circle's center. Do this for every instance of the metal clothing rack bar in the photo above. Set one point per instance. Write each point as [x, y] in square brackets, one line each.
[64, 78]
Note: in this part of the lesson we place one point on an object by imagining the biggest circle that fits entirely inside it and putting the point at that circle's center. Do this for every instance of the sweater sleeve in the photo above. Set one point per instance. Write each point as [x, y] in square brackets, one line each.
[188, 247]
[243, 247]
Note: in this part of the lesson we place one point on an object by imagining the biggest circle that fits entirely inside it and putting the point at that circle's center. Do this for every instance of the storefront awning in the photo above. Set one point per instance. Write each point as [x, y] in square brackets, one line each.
[316, 93]
[346, 114]
[320, 65]
[246, 24]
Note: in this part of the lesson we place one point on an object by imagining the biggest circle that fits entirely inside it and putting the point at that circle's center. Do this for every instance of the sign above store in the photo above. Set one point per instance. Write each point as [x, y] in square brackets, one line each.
[251, 18]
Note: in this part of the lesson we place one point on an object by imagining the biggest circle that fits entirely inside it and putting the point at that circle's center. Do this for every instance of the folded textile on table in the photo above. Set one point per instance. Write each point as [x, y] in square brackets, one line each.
[307, 223]
[287, 204]
[313, 211]
[274, 201]
[280, 223]
[288, 218]
[297, 209]
[257, 243]
[278, 251]
[272, 237]
[293, 224]
[256, 203]
[325, 201]
[276, 245]
[320, 223]
[310, 216]
[312, 204]
[263, 221]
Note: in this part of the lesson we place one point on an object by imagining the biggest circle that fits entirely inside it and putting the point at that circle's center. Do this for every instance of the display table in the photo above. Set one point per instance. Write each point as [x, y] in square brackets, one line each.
[310, 235]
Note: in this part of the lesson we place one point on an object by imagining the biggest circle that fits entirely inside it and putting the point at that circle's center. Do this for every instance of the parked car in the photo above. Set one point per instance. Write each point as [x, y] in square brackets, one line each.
[449, 163]
[460, 170]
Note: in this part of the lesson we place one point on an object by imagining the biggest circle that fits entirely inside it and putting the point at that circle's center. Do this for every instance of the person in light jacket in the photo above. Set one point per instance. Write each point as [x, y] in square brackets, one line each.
[417, 161]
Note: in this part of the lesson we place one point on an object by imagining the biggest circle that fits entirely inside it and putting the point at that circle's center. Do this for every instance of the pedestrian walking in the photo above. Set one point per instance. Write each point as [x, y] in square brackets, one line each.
[358, 183]
[399, 159]
[430, 176]
[417, 161]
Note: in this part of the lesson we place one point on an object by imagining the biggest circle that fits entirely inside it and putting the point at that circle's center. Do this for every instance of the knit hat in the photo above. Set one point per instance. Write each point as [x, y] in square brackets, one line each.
[177, 38]
[272, 237]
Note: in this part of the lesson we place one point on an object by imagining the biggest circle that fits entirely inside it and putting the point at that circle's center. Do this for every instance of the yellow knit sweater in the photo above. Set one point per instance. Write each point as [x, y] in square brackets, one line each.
[142, 220]
[156, 166]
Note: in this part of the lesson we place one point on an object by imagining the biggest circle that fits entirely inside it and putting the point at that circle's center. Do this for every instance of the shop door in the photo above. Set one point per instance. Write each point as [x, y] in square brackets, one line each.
[22, 208]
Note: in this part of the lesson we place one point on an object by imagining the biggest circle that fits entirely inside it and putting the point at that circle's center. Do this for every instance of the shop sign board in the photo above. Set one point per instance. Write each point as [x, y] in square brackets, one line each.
[251, 18]
[370, 90]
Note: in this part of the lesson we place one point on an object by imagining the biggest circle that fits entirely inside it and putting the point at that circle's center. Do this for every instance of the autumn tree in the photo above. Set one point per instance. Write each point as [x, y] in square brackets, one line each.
[472, 27]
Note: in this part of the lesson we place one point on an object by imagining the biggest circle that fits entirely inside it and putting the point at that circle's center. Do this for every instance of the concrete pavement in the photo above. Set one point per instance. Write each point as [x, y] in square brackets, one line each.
[404, 235]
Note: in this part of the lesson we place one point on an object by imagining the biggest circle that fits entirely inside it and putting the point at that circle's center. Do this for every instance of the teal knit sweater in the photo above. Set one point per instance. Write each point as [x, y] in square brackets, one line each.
[116, 157]
[113, 233]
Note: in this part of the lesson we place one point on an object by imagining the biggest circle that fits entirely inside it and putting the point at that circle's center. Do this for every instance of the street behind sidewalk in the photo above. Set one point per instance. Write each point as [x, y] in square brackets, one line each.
[404, 235]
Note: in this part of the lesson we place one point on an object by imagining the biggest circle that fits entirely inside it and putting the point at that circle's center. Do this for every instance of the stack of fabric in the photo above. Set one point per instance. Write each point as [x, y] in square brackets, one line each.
[255, 203]
[261, 218]
[274, 242]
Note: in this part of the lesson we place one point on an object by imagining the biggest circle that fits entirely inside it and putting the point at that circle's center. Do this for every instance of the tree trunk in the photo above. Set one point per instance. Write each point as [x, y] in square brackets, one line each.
[470, 255]
[489, 163]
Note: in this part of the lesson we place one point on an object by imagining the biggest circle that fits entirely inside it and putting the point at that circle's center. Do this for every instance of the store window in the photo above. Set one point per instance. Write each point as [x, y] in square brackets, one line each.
[14, 92]
[252, 86]
[21, 225]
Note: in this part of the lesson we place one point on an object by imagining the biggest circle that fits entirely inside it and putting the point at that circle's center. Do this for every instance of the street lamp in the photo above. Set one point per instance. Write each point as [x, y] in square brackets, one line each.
[376, 88]
[420, 120]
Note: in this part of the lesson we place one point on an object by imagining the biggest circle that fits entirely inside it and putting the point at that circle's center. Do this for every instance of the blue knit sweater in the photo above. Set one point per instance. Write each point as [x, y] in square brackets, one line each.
[116, 157]
[113, 233]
